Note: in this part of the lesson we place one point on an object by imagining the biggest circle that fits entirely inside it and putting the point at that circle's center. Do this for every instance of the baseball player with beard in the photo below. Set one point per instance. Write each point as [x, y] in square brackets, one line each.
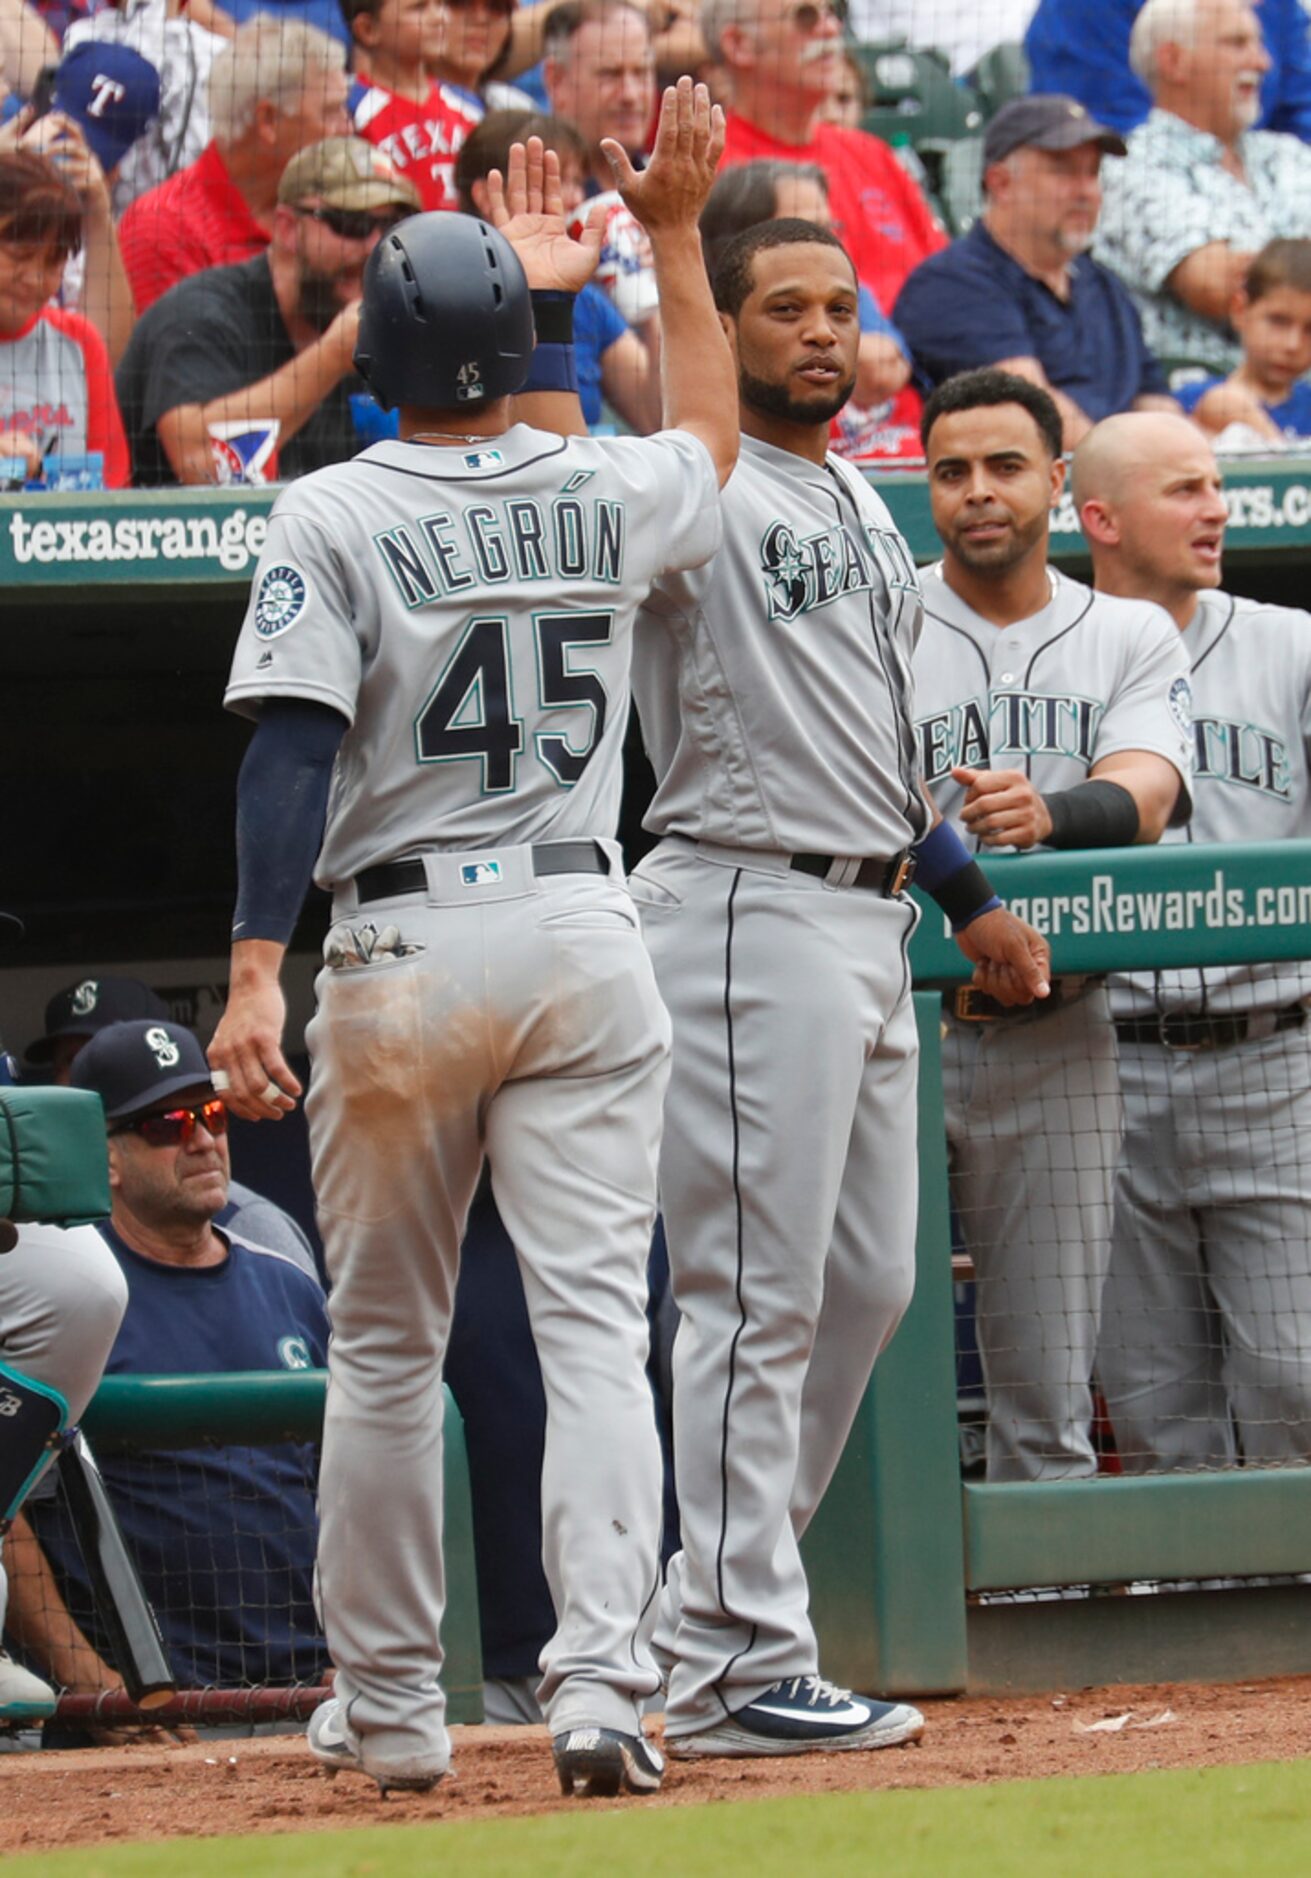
[449, 617]
[774, 687]
[1205, 1351]
[1046, 716]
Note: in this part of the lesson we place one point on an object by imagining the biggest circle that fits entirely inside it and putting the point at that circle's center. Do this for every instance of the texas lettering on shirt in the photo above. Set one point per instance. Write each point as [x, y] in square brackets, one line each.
[422, 141]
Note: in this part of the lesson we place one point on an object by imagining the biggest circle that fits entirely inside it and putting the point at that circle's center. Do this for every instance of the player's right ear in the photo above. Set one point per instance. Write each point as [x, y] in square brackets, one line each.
[1099, 525]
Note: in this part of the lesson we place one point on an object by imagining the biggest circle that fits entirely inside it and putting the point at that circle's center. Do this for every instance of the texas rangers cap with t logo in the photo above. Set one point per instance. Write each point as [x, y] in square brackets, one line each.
[112, 92]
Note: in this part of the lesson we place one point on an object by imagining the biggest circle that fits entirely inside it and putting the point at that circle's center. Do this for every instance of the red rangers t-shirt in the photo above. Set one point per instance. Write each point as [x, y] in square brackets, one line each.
[422, 141]
[56, 388]
[879, 215]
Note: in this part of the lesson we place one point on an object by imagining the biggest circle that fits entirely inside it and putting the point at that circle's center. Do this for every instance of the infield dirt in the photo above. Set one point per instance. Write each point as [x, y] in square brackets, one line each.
[269, 1785]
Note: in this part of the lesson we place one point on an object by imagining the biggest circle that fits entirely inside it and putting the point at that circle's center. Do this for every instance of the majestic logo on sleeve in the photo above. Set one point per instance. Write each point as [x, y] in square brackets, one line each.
[280, 600]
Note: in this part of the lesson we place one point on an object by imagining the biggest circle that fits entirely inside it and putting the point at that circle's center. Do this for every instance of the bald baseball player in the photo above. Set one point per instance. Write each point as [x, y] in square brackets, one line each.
[1205, 1351]
[775, 692]
[1047, 716]
[443, 627]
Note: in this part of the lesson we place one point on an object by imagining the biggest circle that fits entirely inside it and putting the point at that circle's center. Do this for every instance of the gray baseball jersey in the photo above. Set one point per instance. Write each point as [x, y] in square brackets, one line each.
[468, 612]
[774, 682]
[1251, 680]
[774, 689]
[1032, 1101]
[1205, 1351]
[1085, 677]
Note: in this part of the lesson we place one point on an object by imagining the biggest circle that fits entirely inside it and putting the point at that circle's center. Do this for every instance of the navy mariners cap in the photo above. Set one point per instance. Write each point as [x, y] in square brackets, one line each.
[132, 1066]
[82, 1009]
[1046, 121]
[111, 92]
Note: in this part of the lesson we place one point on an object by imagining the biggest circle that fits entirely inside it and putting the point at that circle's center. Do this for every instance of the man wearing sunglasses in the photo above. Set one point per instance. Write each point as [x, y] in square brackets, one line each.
[223, 1538]
[784, 60]
[244, 373]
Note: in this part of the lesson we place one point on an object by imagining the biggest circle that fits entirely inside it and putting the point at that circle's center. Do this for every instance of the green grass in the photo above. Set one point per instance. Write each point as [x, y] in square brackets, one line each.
[1195, 1823]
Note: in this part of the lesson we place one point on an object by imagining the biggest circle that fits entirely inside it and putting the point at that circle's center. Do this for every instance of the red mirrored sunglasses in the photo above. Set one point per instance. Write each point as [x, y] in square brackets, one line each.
[177, 1126]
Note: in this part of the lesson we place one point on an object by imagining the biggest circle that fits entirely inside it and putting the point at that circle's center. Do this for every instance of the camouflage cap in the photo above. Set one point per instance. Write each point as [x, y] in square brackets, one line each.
[345, 173]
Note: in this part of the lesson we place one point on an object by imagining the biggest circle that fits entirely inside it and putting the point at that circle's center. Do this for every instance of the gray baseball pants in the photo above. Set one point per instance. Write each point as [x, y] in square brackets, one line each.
[525, 1025]
[1206, 1331]
[788, 1188]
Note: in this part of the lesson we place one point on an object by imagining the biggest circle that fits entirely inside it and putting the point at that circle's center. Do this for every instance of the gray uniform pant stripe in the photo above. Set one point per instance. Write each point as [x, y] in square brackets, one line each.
[788, 1191]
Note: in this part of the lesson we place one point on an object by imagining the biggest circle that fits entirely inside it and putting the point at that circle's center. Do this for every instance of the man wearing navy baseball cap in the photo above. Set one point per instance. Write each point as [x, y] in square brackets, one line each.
[75, 1014]
[225, 1538]
[1020, 291]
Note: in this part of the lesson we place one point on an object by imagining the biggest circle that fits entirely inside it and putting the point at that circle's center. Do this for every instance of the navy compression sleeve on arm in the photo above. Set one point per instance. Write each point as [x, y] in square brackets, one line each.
[282, 804]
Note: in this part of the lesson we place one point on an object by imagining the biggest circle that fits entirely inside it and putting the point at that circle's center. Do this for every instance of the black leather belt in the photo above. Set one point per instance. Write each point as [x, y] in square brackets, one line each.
[551, 857]
[885, 877]
[1182, 1032]
[969, 1006]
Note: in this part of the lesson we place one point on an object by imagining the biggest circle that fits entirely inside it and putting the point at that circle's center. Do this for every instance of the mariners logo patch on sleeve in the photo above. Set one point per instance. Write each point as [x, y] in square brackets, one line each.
[280, 600]
[1181, 704]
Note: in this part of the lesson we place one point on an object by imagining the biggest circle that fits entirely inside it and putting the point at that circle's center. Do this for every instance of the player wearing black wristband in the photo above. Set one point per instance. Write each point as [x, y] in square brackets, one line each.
[1046, 716]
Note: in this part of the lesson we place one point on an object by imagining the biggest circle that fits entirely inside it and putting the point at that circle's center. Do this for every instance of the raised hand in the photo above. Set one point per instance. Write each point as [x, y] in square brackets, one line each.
[671, 191]
[528, 209]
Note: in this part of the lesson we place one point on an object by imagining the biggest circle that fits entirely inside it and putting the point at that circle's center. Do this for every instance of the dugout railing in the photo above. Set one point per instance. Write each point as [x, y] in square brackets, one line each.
[162, 1414]
[907, 1561]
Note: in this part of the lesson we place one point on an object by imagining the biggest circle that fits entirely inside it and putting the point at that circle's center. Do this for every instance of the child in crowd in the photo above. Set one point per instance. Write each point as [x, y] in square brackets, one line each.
[417, 122]
[56, 391]
[615, 365]
[1271, 313]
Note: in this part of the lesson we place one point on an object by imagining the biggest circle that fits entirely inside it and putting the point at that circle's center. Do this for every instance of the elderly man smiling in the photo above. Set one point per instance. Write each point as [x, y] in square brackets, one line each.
[1200, 191]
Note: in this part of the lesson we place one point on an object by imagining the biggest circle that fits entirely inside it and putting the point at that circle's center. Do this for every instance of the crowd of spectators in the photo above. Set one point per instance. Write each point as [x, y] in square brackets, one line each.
[178, 285]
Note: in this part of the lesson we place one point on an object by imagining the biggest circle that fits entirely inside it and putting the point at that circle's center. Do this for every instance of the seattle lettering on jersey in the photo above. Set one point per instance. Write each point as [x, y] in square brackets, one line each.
[489, 543]
[1243, 754]
[1018, 724]
[810, 572]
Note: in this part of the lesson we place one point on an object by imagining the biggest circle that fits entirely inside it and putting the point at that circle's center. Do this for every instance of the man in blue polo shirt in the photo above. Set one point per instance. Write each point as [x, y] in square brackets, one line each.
[223, 1537]
[1020, 291]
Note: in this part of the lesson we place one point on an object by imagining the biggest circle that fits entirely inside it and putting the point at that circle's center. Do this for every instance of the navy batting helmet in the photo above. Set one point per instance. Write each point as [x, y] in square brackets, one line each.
[447, 319]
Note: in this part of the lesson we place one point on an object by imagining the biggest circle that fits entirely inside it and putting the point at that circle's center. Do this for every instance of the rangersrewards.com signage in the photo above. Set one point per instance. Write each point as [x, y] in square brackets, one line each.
[1129, 909]
[191, 535]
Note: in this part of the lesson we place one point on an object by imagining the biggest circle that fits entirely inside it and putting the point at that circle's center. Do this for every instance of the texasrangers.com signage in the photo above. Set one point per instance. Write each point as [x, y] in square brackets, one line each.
[1130, 909]
[91, 539]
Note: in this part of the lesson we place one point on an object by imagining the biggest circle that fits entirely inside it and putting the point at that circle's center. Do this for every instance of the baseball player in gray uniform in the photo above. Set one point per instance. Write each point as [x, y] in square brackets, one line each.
[453, 613]
[1205, 1350]
[1048, 716]
[62, 1298]
[774, 688]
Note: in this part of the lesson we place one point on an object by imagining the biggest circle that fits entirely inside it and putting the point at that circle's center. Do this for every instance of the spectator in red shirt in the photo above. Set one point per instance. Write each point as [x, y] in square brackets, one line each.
[278, 87]
[783, 59]
[56, 391]
[418, 123]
